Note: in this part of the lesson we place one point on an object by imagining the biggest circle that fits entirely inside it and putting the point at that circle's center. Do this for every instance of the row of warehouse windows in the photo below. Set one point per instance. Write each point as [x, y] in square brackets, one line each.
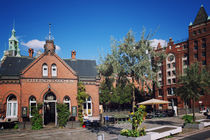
[45, 70]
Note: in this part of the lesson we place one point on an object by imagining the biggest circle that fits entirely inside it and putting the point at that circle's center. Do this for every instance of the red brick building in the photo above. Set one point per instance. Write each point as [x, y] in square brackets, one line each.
[26, 81]
[180, 56]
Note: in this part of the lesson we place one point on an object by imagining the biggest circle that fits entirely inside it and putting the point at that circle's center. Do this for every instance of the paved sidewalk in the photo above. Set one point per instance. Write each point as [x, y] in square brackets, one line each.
[110, 132]
[190, 133]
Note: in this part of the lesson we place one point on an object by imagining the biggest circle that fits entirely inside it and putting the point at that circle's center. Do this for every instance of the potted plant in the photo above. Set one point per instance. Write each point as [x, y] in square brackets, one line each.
[136, 119]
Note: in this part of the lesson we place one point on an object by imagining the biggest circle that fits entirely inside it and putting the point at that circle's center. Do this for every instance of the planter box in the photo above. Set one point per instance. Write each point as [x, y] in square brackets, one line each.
[146, 137]
[155, 133]
[163, 131]
[205, 122]
[194, 125]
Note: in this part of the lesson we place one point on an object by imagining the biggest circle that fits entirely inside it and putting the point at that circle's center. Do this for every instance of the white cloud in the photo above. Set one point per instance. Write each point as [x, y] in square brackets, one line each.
[154, 42]
[36, 44]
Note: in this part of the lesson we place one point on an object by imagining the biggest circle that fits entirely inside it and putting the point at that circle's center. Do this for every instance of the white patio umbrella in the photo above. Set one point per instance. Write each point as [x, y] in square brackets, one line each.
[153, 102]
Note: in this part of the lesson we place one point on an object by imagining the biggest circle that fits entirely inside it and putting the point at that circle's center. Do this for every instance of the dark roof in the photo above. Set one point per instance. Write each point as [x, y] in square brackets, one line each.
[83, 68]
[201, 16]
[12, 66]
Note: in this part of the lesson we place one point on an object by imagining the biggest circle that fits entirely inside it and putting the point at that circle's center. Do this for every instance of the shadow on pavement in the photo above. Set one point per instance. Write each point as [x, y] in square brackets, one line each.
[107, 129]
[162, 122]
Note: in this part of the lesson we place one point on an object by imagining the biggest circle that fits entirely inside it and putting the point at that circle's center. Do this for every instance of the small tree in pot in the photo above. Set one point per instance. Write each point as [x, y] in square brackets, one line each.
[136, 119]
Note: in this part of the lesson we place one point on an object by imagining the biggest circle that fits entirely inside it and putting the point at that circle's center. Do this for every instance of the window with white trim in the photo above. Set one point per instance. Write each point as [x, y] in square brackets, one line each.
[12, 107]
[87, 107]
[54, 70]
[32, 105]
[44, 70]
[67, 101]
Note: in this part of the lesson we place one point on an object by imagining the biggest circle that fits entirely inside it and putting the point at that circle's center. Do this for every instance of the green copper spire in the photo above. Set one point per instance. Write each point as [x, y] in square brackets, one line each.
[14, 44]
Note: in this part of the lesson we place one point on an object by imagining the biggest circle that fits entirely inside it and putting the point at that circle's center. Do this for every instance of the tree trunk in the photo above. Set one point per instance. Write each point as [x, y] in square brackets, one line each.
[193, 109]
[133, 96]
[186, 108]
[133, 105]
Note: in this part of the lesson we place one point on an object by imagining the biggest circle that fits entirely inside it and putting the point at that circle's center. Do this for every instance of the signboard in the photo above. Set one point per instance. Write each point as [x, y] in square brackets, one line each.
[100, 109]
[24, 112]
[74, 111]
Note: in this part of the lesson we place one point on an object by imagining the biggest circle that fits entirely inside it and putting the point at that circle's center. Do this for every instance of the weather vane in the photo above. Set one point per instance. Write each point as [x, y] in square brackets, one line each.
[49, 31]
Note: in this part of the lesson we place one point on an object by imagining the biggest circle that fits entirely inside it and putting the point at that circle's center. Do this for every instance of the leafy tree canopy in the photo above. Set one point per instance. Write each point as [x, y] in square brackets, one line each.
[193, 83]
[132, 60]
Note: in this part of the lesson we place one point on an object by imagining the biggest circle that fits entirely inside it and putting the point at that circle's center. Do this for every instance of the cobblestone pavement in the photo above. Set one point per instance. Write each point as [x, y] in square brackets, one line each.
[110, 132]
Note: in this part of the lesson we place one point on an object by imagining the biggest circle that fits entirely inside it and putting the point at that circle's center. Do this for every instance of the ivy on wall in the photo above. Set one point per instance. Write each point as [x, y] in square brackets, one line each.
[36, 120]
[63, 114]
[81, 98]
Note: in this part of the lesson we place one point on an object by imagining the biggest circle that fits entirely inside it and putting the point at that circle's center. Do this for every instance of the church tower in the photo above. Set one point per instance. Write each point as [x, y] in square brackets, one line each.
[14, 45]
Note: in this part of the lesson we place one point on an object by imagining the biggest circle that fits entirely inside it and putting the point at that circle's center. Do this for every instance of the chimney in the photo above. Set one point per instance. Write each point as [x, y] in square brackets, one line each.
[73, 54]
[31, 52]
[49, 46]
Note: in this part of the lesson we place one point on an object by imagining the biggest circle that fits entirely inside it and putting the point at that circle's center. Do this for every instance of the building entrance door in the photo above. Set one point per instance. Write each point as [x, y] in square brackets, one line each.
[49, 113]
[49, 109]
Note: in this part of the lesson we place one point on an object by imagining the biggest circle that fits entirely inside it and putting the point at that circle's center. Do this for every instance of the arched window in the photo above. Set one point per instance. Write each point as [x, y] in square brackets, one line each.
[66, 100]
[54, 70]
[32, 105]
[44, 70]
[87, 107]
[12, 106]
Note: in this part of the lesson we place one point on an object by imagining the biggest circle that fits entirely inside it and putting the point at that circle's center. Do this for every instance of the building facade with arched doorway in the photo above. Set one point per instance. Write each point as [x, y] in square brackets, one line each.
[26, 81]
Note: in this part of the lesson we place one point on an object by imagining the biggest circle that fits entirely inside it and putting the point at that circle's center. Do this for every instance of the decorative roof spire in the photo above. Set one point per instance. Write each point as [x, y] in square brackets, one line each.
[13, 29]
[49, 31]
[14, 24]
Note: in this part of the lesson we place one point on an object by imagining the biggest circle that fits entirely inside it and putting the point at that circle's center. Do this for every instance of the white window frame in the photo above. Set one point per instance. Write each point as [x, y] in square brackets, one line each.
[54, 73]
[31, 102]
[86, 111]
[12, 114]
[44, 72]
[67, 102]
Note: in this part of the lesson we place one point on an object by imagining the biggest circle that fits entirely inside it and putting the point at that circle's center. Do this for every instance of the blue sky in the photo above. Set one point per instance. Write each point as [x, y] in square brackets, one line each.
[88, 25]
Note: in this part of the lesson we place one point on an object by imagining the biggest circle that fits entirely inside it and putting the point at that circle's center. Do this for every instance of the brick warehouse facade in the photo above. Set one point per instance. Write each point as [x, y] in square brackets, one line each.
[26, 81]
[180, 56]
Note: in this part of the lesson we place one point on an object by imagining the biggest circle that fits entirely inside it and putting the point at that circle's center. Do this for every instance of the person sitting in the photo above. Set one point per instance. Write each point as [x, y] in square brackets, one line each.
[206, 114]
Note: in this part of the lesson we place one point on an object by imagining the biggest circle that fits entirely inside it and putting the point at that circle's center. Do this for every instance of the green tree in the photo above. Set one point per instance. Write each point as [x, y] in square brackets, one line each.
[132, 60]
[192, 84]
[106, 89]
[122, 94]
